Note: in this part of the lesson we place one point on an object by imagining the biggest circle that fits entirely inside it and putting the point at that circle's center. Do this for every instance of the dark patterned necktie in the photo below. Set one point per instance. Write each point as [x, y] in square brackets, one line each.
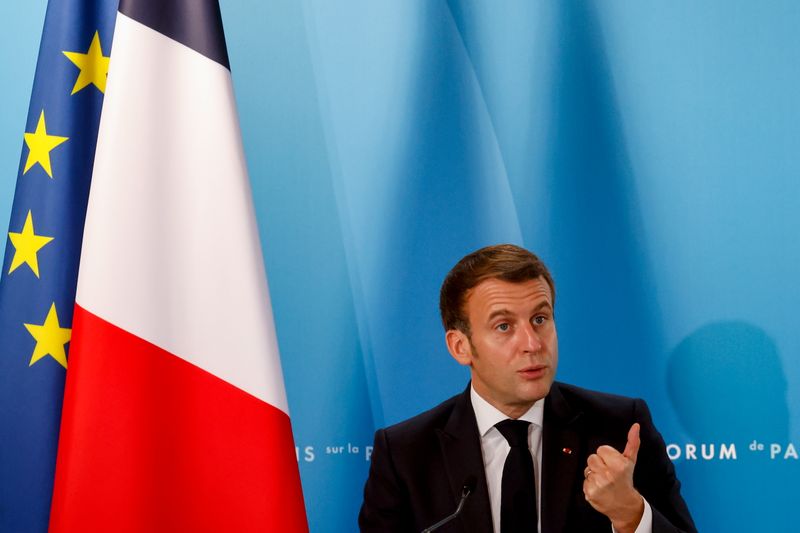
[518, 489]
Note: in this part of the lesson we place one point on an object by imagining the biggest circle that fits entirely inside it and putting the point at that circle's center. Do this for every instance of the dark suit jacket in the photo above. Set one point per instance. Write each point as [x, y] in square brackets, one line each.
[419, 467]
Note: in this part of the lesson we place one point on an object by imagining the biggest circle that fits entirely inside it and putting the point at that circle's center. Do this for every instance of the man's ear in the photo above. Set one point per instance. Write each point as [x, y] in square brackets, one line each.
[459, 346]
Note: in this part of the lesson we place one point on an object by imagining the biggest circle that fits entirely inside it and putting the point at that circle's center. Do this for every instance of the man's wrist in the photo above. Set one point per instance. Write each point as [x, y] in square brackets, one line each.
[628, 519]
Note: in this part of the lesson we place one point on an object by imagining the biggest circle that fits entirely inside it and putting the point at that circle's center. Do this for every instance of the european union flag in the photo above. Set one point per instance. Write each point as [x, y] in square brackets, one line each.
[37, 284]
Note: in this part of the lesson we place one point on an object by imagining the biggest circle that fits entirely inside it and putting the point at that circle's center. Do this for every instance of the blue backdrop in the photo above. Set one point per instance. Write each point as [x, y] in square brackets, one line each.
[648, 151]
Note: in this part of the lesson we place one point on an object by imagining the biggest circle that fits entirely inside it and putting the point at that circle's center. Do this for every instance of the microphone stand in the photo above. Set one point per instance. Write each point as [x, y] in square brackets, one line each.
[465, 492]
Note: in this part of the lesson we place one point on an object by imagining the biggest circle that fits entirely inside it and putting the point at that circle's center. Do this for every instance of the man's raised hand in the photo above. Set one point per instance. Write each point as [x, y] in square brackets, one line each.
[608, 484]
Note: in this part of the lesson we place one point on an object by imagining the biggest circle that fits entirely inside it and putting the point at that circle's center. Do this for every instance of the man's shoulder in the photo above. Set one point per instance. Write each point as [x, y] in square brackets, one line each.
[595, 403]
[435, 417]
[424, 428]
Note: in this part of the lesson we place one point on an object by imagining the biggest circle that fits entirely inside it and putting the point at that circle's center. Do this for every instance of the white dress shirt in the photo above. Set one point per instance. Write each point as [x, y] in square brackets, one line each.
[495, 448]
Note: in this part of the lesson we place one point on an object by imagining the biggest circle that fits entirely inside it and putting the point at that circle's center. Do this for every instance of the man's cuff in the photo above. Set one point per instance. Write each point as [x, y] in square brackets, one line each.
[646, 523]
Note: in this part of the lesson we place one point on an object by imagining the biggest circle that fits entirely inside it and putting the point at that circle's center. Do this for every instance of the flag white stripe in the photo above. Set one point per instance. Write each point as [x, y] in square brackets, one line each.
[170, 173]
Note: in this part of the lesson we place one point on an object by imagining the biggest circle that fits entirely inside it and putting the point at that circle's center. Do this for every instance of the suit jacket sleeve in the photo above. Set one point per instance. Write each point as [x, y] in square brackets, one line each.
[385, 509]
[655, 478]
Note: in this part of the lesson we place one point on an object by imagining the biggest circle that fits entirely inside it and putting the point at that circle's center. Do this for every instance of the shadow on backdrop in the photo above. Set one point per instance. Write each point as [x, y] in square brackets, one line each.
[727, 385]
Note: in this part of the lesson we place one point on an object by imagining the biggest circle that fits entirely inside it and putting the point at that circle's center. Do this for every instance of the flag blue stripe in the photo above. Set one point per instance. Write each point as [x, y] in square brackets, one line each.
[194, 23]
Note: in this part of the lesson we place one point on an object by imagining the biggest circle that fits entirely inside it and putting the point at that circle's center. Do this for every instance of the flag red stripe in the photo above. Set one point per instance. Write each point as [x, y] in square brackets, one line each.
[150, 442]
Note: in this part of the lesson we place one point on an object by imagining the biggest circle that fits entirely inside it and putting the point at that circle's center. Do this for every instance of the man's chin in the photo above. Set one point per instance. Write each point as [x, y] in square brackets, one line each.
[534, 391]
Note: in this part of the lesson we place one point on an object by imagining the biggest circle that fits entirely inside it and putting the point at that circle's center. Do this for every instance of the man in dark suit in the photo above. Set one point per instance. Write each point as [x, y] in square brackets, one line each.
[533, 454]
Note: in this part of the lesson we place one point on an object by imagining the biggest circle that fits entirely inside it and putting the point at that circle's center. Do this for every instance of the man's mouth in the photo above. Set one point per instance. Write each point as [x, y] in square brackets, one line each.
[532, 371]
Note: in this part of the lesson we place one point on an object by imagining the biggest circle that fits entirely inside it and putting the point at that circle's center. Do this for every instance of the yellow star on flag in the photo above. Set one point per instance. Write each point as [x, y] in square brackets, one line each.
[39, 146]
[50, 338]
[93, 65]
[27, 244]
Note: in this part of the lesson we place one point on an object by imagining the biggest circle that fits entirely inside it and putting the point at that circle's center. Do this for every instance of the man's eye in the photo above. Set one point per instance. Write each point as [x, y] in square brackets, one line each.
[503, 327]
[539, 320]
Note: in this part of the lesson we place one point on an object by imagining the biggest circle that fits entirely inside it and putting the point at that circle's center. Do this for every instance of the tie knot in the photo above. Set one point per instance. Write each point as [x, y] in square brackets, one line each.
[515, 432]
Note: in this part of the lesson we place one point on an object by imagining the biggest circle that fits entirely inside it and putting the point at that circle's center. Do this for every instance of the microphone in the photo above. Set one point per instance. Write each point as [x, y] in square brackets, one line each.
[466, 490]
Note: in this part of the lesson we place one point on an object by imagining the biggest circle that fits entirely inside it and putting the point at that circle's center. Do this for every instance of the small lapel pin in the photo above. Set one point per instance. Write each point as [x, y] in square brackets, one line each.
[566, 451]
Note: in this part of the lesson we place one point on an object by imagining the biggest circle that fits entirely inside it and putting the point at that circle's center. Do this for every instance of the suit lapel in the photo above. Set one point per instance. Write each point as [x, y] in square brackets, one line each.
[461, 452]
[561, 451]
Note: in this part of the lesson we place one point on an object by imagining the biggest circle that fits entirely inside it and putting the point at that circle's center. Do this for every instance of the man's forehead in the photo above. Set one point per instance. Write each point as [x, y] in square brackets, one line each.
[497, 293]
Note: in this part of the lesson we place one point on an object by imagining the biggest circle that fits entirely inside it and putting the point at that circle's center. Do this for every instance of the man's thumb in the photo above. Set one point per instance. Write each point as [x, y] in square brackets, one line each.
[632, 447]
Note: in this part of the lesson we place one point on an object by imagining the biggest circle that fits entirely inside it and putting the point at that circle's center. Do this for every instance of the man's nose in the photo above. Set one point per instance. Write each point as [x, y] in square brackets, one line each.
[530, 339]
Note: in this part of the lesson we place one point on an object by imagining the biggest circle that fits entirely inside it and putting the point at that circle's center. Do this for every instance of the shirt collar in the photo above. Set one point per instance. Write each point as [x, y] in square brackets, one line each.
[487, 415]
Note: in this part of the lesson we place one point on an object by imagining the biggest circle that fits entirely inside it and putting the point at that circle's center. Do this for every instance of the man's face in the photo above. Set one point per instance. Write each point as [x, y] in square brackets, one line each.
[513, 348]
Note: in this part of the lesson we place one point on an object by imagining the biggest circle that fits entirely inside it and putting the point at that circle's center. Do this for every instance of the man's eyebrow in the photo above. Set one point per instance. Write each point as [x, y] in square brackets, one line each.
[505, 312]
[499, 312]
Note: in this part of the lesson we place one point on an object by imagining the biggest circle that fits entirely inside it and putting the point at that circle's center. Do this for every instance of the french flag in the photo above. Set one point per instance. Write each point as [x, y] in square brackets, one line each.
[175, 415]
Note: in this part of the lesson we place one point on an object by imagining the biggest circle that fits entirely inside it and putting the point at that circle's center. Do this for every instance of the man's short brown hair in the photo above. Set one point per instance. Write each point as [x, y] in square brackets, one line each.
[506, 262]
